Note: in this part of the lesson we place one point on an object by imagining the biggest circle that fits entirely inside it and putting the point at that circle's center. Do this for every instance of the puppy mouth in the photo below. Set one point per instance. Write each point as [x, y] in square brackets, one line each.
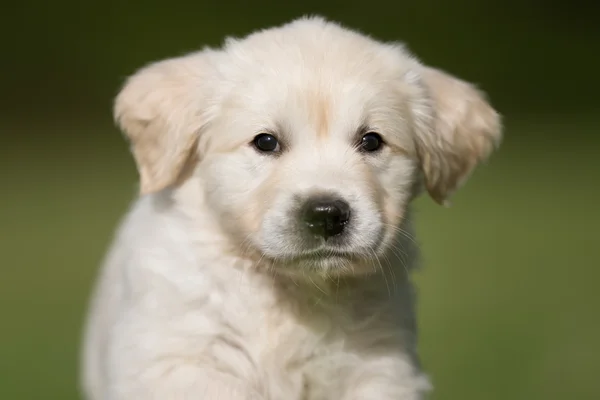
[324, 253]
[325, 260]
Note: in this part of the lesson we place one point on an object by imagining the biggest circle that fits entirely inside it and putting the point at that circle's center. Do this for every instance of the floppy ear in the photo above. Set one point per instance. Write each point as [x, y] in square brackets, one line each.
[161, 109]
[463, 132]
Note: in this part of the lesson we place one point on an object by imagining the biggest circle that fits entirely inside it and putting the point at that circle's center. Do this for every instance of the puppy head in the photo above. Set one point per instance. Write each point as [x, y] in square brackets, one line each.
[309, 140]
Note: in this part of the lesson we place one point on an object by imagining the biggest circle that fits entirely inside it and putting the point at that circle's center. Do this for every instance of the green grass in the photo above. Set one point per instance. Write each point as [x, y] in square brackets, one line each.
[509, 301]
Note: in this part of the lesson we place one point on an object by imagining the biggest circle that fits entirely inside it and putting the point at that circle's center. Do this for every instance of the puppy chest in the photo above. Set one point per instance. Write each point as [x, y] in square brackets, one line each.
[297, 360]
[292, 354]
[291, 346]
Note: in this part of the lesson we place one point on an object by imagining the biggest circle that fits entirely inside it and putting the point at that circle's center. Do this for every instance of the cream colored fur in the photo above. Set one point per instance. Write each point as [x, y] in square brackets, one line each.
[210, 289]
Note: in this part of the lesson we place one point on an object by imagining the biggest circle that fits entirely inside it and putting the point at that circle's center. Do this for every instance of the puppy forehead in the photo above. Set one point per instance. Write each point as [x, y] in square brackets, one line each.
[315, 53]
[316, 99]
[324, 79]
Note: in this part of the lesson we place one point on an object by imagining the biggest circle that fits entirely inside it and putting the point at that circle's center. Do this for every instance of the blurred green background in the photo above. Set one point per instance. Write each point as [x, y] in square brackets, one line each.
[510, 307]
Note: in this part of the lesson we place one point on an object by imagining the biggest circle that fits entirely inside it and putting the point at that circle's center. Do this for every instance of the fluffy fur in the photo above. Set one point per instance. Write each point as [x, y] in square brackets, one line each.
[212, 288]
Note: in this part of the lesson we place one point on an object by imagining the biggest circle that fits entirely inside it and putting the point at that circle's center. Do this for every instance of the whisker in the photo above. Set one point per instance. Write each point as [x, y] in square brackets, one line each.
[404, 233]
[392, 273]
[387, 285]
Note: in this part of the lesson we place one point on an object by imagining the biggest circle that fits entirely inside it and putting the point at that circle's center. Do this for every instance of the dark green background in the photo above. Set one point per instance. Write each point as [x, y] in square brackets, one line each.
[509, 307]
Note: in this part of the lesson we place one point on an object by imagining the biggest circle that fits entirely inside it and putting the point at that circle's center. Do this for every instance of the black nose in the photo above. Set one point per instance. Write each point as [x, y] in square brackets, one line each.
[326, 216]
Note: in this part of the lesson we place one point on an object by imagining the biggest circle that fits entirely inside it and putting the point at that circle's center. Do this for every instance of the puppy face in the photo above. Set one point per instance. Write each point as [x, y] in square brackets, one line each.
[312, 174]
[311, 139]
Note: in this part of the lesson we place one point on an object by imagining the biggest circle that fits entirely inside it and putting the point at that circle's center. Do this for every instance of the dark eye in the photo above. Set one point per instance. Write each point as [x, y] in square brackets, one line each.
[371, 142]
[266, 142]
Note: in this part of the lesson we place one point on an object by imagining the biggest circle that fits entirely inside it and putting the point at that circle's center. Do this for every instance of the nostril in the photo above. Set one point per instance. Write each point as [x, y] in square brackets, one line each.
[326, 217]
[343, 209]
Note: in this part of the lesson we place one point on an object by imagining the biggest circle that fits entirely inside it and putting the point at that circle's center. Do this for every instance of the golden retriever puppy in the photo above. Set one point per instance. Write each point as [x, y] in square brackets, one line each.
[268, 255]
